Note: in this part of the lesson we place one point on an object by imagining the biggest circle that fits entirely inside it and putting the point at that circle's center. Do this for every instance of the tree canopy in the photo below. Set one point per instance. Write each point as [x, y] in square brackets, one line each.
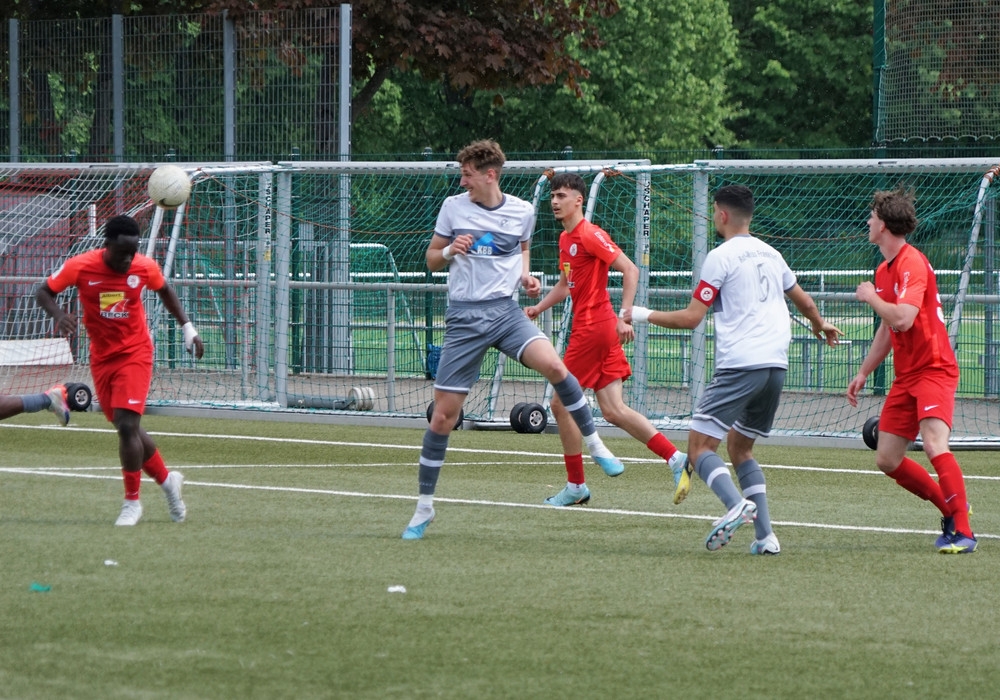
[805, 78]
[657, 81]
[597, 75]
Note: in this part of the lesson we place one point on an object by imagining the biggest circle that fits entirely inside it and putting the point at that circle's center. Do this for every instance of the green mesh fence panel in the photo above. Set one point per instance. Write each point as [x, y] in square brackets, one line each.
[941, 77]
[185, 86]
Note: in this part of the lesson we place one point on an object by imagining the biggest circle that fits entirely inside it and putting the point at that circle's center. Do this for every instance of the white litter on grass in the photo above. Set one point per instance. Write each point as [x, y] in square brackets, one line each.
[397, 589]
[110, 562]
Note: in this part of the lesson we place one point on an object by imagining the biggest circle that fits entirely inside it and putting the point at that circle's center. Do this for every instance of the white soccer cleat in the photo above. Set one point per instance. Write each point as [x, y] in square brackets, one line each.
[768, 545]
[58, 403]
[131, 512]
[172, 489]
[722, 529]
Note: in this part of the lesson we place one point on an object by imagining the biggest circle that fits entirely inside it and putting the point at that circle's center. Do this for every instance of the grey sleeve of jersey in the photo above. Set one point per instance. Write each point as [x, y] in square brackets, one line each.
[444, 226]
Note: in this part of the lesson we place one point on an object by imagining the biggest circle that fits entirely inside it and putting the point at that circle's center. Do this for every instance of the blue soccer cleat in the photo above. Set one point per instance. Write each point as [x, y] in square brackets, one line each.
[959, 543]
[948, 529]
[612, 466]
[416, 532]
[569, 497]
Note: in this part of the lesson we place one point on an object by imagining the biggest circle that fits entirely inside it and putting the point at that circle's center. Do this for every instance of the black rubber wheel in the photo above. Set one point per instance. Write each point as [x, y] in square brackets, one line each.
[78, 396]
[533, 418]
[515, 417]
[458, 423]
[869, 433]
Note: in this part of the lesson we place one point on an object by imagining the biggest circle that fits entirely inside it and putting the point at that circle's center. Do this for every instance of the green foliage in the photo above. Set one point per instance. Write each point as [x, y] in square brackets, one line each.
[644, 92]
[805, 74]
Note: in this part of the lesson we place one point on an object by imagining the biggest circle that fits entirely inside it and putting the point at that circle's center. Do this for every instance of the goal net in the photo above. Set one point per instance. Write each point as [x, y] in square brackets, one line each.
[308, 285]
[937, 70]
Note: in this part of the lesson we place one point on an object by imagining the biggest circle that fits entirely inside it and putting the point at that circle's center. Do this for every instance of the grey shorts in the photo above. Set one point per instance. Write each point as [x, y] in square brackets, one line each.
[472, 328]
[743, 399]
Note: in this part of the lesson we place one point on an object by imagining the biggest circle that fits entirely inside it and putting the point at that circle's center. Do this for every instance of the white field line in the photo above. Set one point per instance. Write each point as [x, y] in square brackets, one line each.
[79, 474]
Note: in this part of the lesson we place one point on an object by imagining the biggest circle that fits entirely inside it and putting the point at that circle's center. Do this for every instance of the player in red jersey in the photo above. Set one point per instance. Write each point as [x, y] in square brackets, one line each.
[110, 281]
[922, 397]
[594, 353]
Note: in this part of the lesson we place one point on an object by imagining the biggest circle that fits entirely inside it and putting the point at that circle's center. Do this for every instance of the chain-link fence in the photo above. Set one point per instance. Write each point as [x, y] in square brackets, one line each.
[183, 87]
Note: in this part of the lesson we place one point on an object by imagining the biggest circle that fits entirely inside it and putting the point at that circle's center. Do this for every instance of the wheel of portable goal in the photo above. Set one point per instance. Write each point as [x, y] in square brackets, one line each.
[78, 396]
[533, 418]
[458, 423]
[515, 416]
[869, 433]
[363, 398]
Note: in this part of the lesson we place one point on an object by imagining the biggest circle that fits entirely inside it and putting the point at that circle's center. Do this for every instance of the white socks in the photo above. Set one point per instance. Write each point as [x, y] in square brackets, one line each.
[596, 446]
[425, 510]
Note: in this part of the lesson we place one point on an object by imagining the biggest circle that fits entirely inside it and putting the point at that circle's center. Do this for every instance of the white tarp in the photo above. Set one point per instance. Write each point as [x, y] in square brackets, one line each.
[35, 353]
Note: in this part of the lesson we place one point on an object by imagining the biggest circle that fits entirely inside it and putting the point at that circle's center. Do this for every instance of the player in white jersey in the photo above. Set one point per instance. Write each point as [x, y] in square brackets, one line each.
[744, 281]
[484, 236]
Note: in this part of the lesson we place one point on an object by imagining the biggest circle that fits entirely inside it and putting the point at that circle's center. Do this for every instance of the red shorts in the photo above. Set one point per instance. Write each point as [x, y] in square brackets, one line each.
[595, 356]
[931, 394]
[122, 383]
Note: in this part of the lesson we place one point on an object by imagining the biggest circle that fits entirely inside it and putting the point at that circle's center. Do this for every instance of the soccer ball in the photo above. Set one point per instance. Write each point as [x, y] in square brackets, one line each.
[169, 186]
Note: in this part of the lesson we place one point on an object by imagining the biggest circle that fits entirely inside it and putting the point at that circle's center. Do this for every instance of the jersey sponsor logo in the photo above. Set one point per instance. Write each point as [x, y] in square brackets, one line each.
[132, 281]
[92, 283]
[933, 405]
[134, 401]
[486, 245]
[602, 237]
[878, 290]
[112, 305]
[900, 293]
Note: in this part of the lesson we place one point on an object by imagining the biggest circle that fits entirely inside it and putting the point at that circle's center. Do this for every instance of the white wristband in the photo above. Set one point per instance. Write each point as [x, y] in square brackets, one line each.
[621, 312]
[640, 314]
[446, 253]
[189, 335]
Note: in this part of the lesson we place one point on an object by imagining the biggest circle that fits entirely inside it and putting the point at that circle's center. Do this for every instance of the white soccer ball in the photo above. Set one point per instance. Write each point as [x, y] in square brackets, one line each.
[169, 186]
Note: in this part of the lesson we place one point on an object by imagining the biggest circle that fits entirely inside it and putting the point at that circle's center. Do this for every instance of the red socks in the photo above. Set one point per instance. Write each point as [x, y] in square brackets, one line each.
[155, 467]
[131, 485]
[915, 479]
[574, 468]
[659, 445]
[952, 485]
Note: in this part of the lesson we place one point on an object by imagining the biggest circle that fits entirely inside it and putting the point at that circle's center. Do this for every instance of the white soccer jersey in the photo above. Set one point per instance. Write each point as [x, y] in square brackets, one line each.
[745, 280]
[492, 268]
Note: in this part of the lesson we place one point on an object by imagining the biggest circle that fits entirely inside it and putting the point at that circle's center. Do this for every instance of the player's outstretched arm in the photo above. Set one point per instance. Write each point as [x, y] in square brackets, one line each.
[688, 318]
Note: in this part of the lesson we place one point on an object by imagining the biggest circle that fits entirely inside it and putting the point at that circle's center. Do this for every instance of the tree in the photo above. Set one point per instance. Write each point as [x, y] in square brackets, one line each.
[805, 77]
[657, 82]
[468, 45]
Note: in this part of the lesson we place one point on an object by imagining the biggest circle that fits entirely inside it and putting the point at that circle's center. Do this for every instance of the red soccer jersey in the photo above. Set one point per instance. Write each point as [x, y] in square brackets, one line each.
[909, 279]
[112, 302]
[585, 255]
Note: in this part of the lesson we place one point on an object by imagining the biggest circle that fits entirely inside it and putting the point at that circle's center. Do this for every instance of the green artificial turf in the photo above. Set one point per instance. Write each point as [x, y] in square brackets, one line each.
[278, 585]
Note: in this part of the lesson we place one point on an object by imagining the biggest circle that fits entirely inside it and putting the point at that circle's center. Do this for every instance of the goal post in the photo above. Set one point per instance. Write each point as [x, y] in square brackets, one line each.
[308, 283]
